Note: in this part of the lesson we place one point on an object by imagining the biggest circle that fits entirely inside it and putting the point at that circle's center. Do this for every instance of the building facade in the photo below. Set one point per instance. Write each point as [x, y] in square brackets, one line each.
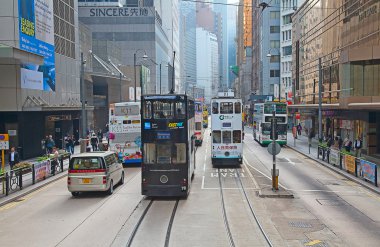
[347, 43]
[207, 63]
[188, 41]
[39, 64]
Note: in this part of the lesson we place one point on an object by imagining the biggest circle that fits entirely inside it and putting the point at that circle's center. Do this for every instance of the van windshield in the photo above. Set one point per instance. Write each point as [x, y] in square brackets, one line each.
[86, 163]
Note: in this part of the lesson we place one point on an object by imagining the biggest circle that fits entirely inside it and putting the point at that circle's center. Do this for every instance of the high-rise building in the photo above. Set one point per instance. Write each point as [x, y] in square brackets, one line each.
[288, 7]
[207, 63]
[269, 22]
[39, 66]
[344, 49]
[188, 44]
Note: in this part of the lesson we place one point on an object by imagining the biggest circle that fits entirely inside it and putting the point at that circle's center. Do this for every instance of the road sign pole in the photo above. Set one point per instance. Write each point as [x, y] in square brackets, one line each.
[274, 171]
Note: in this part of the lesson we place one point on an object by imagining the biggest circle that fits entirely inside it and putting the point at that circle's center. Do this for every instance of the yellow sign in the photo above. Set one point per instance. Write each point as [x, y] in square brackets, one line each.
[349, 161]
[4, 137]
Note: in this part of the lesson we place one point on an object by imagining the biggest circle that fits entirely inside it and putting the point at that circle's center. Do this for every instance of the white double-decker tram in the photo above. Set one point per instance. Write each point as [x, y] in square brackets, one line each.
[226, 130]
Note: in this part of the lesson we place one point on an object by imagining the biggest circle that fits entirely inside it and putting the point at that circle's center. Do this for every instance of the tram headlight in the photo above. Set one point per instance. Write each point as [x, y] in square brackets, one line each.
[164, 179]
[227, 154]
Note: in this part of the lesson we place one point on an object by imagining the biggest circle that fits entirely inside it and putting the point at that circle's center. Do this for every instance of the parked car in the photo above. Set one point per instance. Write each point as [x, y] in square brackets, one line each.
[95, 171]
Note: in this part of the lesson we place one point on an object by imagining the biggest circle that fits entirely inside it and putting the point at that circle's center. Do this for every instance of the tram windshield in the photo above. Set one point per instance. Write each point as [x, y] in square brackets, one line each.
[165, 153]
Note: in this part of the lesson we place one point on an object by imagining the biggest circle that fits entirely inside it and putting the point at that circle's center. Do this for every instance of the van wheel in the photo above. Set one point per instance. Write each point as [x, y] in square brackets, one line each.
[122, 178]
[75, 194]
[110, 190]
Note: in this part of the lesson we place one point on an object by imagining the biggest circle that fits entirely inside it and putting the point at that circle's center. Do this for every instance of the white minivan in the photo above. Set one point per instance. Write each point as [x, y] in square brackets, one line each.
[95, 171]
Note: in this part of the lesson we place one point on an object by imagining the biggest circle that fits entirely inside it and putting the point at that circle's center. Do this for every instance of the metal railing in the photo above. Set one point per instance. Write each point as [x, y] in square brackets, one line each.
[357, 166]
[15, 179]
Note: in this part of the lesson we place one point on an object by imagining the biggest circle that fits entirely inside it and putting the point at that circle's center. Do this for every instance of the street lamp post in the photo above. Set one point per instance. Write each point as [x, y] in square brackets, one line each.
[269, 55]
[134, 66]
[83, 97]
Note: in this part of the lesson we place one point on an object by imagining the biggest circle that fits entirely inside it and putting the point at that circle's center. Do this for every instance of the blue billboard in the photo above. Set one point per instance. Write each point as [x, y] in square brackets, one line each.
[36, 28]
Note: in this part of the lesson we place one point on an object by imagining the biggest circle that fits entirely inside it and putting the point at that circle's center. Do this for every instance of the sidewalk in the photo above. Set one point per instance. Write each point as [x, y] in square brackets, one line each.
[301, 145]
[27, 182]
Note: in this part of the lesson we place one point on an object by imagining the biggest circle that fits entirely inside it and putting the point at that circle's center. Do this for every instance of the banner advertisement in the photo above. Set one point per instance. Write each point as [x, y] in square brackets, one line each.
[42, 169]
[36, 28]
[367, 170]
[334, 157]
[349, 162]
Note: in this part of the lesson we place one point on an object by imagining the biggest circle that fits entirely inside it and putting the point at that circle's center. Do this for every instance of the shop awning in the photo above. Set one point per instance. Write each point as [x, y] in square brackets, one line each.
[314, 106]
[364, 106]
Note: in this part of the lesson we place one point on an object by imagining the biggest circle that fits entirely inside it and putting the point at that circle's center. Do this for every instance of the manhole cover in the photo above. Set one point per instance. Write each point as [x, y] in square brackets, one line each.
[300, 224]
[330, 202]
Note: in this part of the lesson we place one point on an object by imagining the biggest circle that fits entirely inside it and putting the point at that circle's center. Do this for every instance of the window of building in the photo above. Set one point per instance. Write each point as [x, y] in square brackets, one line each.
[275, 58]
[274, 73]
[274, 29]
[275, 14]
[274, 44]
[287, 19]
[287, 50]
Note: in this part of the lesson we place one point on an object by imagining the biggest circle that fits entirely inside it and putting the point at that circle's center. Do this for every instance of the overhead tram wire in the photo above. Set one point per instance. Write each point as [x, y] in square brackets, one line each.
[244, 5]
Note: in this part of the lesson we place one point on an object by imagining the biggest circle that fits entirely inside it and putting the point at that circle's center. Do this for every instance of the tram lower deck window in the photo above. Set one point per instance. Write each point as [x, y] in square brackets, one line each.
[216, 136]
[227, 136]
[198, 126]
[236, 136]
[164, 153]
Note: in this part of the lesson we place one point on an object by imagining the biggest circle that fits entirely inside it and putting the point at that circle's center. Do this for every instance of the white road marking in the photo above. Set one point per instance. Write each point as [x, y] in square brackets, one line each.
[290, 162]
[263, 173]
[203, 182]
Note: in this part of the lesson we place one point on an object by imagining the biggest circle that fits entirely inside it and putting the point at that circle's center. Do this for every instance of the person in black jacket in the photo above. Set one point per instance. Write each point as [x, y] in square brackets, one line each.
[94, 142]
[13, 158]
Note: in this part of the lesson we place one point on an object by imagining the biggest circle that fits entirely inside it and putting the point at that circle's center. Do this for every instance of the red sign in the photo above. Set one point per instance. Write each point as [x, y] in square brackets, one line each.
[298, 115]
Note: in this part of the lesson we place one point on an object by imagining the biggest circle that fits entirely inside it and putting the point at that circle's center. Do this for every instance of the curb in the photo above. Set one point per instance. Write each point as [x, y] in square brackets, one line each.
[344, 174]
[39, 186]
[274, 195]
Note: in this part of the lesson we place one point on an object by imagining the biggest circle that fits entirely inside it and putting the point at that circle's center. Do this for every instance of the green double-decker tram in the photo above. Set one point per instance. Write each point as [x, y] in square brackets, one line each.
[262, 127]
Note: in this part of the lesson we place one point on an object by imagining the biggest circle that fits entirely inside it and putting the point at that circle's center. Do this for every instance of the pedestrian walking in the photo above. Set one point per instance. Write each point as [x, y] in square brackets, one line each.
[67, 143]
[294, 131]
[13, 158]
[347, 144]
[100, 135]
[94, 142]
[358, 146]
[72, 144]
[50, 144]
[299, 129]
[54, 160]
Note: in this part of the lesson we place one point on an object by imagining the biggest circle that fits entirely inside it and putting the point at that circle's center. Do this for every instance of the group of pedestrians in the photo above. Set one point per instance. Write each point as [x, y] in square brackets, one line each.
[69, 143]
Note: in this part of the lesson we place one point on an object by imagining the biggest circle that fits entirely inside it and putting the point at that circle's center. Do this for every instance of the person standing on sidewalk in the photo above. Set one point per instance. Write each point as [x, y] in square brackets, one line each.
[50, 144]
[54, 161]
[299, 129]
[358, 146]
[94, 142]
[13, 158]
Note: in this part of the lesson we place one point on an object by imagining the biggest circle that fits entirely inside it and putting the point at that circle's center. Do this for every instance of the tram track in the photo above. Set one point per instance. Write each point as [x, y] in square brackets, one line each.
[142, 218]
[249, 203]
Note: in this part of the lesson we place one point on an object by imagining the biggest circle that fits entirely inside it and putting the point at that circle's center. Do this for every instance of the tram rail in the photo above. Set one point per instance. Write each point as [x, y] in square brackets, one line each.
[225, 217]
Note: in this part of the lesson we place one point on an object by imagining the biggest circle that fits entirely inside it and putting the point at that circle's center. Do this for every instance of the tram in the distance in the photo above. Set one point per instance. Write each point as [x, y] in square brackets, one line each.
[167, 145]
[226, 130]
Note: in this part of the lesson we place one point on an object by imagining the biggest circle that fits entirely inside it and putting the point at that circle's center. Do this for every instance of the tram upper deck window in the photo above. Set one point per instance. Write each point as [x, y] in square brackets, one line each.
[215, 108]
[236, 136]
[226, 108]
[227, 137]
[216, 136]
[163, 110]
[147, 110]
[237, 107]
[198, 126]
[180, 110]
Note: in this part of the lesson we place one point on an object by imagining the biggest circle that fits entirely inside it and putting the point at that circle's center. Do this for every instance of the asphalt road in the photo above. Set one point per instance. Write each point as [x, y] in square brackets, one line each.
[327, 209]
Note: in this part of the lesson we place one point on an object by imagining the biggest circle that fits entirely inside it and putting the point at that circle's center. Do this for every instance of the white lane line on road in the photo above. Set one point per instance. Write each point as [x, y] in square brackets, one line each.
[203, 182]
[290, 162]
[263, 173]
[250, 173]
